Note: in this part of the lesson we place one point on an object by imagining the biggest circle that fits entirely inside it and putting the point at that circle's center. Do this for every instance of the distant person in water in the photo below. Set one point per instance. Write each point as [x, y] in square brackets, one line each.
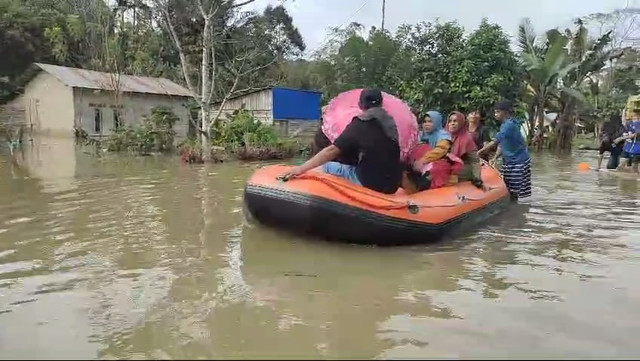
[611, 130]
[631, 139]
[516, 164]
[372, 137]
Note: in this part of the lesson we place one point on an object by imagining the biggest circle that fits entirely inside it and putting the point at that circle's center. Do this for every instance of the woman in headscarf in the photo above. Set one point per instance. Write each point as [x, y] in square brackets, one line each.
[430, 161]
[433, 134]
[464, 147]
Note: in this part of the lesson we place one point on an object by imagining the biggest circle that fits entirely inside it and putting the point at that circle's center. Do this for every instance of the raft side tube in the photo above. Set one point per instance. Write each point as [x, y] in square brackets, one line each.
[337, 221]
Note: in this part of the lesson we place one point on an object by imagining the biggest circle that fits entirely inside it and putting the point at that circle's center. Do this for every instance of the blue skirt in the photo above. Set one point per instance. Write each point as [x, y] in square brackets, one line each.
[517, 177]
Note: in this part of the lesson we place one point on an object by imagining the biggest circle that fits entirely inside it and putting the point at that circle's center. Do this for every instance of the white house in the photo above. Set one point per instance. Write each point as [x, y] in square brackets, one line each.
[59, 99]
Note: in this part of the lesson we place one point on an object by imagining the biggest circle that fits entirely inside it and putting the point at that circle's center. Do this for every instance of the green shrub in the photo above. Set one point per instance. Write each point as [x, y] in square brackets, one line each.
[190, 151]
[242, 128]
[156, 134]
[249, 139]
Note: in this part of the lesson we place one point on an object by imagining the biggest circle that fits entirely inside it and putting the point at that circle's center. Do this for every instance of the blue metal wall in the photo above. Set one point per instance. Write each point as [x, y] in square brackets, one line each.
[296, 104]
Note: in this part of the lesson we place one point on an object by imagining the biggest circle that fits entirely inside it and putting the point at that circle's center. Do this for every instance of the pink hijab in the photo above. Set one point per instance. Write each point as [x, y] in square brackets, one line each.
[462, 141]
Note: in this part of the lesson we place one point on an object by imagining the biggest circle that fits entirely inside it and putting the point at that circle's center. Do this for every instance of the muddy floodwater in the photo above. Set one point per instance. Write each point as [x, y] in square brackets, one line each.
[123, 257]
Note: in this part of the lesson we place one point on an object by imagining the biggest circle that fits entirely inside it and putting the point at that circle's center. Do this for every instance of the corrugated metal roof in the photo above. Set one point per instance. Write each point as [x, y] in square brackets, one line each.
[89, 79]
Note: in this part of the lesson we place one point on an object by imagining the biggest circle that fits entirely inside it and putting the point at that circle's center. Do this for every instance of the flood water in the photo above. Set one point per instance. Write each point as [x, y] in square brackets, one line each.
[121, 257]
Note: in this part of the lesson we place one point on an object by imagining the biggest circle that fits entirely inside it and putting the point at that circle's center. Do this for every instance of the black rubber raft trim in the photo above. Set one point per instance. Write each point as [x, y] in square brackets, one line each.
[336, 221]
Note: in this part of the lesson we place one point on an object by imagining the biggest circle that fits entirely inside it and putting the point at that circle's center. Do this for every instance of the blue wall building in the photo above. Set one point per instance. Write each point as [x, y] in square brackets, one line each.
[293, 111]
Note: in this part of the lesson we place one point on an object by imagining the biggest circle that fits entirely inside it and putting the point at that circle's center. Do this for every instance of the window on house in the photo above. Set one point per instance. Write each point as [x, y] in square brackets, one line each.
[97, 120]
[117, 122]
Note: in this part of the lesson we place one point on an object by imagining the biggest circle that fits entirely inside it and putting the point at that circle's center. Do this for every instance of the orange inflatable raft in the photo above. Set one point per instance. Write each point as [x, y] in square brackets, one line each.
[330, 207]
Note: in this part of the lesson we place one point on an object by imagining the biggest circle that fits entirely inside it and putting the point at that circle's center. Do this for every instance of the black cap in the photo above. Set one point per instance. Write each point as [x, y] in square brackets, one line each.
[370, 98]
[505, 105]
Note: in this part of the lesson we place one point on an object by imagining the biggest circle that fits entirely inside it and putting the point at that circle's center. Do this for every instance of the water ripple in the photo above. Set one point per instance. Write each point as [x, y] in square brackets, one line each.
[149, 258]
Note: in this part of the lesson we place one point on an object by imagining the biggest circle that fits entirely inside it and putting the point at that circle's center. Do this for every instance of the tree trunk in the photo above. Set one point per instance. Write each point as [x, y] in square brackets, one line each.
[204, 90]
[204, 134]
[540, 120]
[532, 123]
[565, 128]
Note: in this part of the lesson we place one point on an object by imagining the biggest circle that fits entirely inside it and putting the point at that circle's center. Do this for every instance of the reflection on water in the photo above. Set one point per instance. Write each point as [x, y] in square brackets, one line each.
[115, 257]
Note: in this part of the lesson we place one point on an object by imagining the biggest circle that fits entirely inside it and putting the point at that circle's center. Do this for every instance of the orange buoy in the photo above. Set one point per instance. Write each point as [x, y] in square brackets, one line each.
[583, 166]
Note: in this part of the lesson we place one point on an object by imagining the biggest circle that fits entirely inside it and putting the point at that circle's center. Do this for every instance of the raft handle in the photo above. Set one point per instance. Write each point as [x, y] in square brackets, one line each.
[413, 208]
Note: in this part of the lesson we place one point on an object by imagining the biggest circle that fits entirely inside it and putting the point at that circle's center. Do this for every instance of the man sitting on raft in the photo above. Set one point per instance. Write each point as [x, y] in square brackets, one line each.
[373, 138]
[321, 141]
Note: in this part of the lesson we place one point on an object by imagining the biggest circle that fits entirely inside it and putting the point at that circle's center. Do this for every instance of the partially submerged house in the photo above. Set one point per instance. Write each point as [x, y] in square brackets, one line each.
[292, 111]
[59, 99]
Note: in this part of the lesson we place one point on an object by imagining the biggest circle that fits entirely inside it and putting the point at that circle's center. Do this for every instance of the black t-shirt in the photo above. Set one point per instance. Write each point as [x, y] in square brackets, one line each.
[481, 137]
[379, 167]
[607, 145]
[320, 141]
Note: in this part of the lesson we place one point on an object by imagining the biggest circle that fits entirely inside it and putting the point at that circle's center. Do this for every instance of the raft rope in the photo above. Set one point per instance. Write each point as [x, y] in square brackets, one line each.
[395, 205]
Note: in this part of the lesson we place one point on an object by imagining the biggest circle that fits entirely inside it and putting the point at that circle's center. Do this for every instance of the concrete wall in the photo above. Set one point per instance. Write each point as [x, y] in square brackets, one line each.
[132, 108]
[47, 104]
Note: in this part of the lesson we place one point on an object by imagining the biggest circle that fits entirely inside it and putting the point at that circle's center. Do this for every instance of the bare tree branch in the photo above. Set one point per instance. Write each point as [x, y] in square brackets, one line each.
[234, 91]
[260, 67]
[224, 101]
[214, 74]
[178, 44]
[247, 2]
[205, 15]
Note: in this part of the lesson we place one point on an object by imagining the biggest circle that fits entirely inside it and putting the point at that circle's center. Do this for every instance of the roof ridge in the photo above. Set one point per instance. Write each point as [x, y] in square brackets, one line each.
[102, 72]
[93, 79]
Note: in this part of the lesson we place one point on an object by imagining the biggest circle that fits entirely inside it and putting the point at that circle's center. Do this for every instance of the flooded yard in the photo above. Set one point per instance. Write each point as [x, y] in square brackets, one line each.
[123, 257]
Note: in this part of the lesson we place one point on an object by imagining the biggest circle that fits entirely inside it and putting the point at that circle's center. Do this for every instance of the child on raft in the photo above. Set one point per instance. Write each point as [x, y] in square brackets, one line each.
[516, 163]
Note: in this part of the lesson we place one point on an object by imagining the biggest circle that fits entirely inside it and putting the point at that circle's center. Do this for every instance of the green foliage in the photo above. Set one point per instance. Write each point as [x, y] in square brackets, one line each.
[124, 37]
[156, 134]
[249, 139]
[242, 129]
[556, 73]
[431, 66]
[439, 68]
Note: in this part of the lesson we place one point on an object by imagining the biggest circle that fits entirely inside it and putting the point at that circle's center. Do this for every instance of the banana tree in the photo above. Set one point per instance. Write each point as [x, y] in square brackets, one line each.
[546, 64]
[592, 57]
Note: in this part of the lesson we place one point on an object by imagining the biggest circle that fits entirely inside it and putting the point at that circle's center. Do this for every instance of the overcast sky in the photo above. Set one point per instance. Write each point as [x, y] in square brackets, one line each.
[314, 17]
